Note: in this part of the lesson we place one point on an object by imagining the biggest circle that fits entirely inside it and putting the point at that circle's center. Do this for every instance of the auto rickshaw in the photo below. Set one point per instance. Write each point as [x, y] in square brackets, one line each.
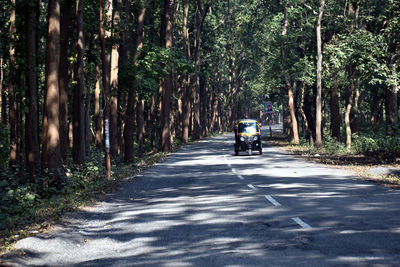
[247, 136]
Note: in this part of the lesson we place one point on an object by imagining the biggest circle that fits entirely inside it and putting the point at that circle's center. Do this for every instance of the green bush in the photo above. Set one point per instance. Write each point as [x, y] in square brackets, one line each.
[333, 147]
[384, 147]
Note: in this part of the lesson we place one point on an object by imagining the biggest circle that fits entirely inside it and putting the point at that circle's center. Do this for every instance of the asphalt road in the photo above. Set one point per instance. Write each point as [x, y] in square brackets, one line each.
[203, 206]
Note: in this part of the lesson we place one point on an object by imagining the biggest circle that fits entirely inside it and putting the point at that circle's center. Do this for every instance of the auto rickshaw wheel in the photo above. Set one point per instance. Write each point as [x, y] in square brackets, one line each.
[236, 152]
[249, 151]
[260, 151]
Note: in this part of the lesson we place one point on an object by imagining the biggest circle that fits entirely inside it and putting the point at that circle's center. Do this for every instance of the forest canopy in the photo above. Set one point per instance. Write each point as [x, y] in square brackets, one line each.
[133, 77]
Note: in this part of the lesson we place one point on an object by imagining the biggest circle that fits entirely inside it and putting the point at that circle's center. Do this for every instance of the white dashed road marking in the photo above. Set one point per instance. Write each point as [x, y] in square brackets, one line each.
[301, 223]
[251, 186]
[272, 200]
[268, 197]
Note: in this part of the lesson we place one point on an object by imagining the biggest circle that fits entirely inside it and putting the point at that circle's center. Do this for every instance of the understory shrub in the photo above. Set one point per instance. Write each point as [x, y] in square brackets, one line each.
[384, 147]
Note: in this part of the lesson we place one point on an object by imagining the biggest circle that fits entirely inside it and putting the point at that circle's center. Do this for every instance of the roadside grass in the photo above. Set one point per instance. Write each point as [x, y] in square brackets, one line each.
[28, 209]
[335, 154]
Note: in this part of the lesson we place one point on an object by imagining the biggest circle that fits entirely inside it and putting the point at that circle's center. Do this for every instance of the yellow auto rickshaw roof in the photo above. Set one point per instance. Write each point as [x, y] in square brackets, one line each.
[247, 120]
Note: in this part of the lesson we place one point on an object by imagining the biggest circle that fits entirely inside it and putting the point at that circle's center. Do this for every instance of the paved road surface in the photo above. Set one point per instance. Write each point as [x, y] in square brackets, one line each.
[205, 207]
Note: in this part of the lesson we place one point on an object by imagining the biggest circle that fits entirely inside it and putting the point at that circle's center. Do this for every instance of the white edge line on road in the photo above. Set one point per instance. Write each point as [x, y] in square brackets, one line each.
[241, 177]
[251, 186]
[272, 200]
[301, 223]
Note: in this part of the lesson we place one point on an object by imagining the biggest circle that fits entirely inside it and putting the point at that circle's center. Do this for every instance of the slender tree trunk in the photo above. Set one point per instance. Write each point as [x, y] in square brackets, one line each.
[153, 114]
[64, 77]
[78, 100]
[3, 94]
[87, 117]
[335, 113]
[186, 109]
[200, 17]
[130, 110]
[11, 85]
[167, 83]
[97, 115]
[115, 148]
[51, 136]
[318, 115]
[349, 106]
[392, 112]
[32, 123]
[303, 114]
[355, 112]
[292, 108]
[141, 127]
[293, 121]
[105, 80]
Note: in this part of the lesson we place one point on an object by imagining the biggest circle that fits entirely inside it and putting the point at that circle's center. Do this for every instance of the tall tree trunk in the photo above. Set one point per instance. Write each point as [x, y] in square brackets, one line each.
[153, 115]
[185, 82]
[349, 107]
[51, 137]
[105, 59]
[318, 112]
[32, 123]
[292, 111]
[392, 114]
[78, 98]
[130, 110]
[87, 117]
[64, 77]
[335, 113]
[293, 121]
[167, 83]
[11, 85]
[97, 117]
[114, 131]
[200, 17]
[303, 114]
[140, 127]
[3, 94]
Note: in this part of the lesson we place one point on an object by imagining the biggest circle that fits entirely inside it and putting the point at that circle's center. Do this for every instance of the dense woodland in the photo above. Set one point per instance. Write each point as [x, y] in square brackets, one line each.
[133, 77]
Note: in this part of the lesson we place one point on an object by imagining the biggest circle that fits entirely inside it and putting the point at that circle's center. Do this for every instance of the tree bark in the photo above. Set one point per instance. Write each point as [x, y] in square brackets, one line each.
[318, 115]
[185, 82]
[79, 139]
[51, 136]
[11, 85]
[97, 116]
[391, 105]
[64, 77]
[167, 83]
[3, 94]
[200, 17]
[130, 110]
[3, 105]
[303, 114]
[114, 131]
[105, 59]
[335, 113]
[32, 123]
[140, 127]
[285, 76]
[349, 106]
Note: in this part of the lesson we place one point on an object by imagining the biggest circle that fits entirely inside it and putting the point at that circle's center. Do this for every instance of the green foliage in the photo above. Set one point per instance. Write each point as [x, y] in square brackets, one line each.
[333, 147]
[23, 203]
[377, 145]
